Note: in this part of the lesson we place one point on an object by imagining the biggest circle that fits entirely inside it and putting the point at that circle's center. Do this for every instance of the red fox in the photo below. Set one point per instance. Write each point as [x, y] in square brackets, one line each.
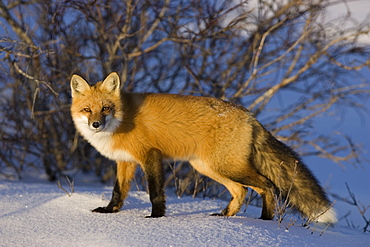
[219, 139]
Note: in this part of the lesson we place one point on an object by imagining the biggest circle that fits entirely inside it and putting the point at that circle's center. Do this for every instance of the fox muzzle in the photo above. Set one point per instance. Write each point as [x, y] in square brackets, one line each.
[97, 125]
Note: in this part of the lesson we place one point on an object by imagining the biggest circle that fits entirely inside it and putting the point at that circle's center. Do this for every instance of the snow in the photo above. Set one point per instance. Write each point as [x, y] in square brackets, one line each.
[40, 214]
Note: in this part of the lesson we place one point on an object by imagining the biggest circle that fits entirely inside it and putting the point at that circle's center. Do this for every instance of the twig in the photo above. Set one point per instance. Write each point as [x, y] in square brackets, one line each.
[71, 186]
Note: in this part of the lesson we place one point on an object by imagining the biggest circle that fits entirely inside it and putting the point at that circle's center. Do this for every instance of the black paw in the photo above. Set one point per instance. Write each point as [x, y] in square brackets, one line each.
[265, 218]
[217, 214]
[154, 216]
[103, 210]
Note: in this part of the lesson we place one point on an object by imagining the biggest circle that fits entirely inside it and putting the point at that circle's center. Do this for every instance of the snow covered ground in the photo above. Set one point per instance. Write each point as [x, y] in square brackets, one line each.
[41, 214]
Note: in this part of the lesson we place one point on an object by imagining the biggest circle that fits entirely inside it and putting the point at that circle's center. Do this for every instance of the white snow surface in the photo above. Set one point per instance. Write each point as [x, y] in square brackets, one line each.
[41, 214]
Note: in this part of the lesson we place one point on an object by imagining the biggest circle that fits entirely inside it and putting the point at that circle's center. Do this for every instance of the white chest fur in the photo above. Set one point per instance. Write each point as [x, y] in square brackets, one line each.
[103, 142]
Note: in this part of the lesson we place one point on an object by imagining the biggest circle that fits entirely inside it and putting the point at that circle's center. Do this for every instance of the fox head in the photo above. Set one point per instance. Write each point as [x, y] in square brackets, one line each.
[96, 108]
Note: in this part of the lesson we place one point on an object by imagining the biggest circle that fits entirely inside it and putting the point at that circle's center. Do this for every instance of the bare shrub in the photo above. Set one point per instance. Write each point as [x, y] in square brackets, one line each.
[281, 59]
[361, 209]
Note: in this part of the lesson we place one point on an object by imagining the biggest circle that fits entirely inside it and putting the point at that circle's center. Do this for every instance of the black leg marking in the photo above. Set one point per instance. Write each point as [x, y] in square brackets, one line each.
[154, 172]
[115, 204]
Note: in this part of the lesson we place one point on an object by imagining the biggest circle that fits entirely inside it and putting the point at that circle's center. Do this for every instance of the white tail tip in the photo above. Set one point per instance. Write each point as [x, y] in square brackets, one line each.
[330, 216]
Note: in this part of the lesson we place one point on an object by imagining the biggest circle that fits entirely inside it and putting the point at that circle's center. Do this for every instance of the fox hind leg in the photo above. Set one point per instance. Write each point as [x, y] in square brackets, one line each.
[268, 202]
[125, 173]
[238, 193]
[266, 189]
[236, 187]
[258, 183]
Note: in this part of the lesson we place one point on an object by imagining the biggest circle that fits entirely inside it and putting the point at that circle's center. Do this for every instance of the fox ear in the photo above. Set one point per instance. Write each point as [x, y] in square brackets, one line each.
[79, 86]
[112, 83]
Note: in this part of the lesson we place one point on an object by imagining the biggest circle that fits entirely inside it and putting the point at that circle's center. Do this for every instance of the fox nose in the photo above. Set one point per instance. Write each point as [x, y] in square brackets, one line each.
[96, 124]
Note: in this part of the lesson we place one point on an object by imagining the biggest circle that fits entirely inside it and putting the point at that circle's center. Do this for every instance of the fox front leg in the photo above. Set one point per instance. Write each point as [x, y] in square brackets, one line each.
[125, 173]
[155, 175]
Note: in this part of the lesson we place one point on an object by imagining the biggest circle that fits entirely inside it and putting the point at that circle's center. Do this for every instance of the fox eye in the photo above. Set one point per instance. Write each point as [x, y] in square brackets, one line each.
[106, 108]
[87, 109]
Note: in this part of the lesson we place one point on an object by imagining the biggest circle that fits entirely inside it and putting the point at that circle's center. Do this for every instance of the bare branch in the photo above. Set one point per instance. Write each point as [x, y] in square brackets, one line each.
[47, 84]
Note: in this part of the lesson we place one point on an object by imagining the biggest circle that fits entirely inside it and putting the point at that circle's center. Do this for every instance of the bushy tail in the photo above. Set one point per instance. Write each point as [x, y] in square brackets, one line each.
[293, 180]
